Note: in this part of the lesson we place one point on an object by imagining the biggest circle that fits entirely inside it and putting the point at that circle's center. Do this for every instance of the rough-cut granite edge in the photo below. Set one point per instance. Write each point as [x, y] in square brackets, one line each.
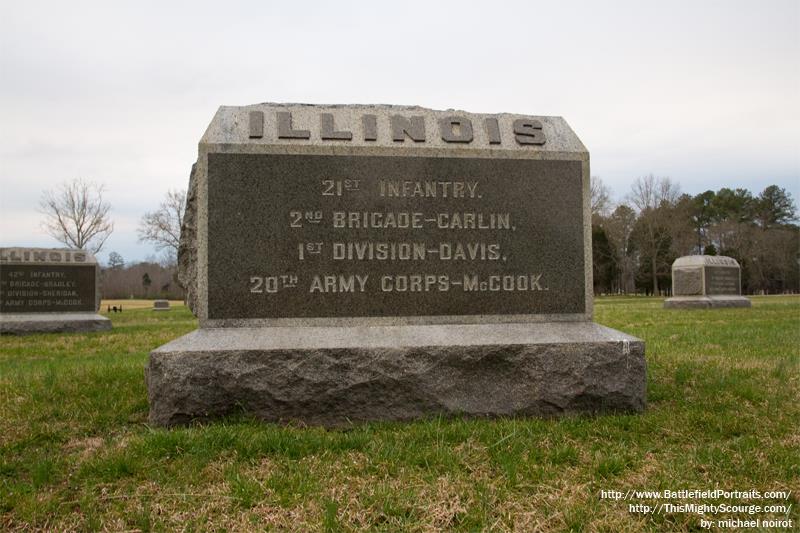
[706, 302]
[29, 323]
[206, 374]
[187, 247]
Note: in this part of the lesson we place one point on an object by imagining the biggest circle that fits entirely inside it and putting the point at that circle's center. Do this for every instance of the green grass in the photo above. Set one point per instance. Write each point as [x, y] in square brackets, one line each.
[76, 452]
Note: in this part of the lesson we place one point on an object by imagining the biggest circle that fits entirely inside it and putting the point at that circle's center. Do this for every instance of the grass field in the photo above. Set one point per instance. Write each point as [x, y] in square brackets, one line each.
[724, 413]
[134, 304]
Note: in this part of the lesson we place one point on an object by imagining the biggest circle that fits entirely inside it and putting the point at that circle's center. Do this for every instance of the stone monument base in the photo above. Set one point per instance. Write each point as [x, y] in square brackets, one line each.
[28, 323]
[333, 376]
[705, 302]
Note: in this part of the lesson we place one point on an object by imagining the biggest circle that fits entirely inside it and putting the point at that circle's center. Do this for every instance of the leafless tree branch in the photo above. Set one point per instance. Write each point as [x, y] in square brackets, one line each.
[162, 227]
[77, 215]
[600, 197]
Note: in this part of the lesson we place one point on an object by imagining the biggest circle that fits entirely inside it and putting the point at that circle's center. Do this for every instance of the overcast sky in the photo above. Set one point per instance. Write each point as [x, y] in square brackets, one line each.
[707, 93]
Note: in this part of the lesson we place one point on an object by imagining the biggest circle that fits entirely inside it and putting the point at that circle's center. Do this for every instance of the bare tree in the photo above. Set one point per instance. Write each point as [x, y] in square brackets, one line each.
[649, 192]
[619, 227]
[654, 198]
[162, 227]
[115, 261]
[600, 197]
[76, 215]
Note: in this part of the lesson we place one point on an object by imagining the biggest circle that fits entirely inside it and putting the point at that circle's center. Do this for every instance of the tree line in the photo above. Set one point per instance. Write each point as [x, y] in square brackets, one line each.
[635, 242]
[146, 279]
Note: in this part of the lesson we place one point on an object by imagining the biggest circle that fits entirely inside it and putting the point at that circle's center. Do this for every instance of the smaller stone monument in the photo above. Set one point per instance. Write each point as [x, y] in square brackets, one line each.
[705, 281]
[161, 305]
[46, 290]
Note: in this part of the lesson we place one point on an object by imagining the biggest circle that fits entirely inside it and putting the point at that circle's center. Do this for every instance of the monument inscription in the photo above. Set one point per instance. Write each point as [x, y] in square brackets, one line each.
[452, 129]
[46, 288]
[722, 280]
[310, 235]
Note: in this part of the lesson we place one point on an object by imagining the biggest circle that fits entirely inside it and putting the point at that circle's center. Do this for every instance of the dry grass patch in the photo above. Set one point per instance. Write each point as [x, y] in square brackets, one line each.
[134, 304]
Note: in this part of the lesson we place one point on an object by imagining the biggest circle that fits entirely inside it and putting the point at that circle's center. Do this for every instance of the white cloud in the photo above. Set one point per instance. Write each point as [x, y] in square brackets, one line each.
[705, 92]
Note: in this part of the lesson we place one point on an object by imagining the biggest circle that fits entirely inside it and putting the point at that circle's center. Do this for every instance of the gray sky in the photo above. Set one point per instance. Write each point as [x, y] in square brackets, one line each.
[707, 93]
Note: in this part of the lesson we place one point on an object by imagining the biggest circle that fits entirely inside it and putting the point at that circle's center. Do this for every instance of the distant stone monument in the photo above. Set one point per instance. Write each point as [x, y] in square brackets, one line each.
[161, 305]
[352, 263]
[45, 290]
[705, 281]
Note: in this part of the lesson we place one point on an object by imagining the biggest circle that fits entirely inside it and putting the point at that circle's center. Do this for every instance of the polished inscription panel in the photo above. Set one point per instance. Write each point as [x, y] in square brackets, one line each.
[721, 280]
[46, 288]
[300, 236]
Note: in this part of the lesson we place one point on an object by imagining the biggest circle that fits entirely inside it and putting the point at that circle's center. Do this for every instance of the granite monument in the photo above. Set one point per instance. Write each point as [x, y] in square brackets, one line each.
[161, 305]
[706, 281]
[46, 290]
[353, 263]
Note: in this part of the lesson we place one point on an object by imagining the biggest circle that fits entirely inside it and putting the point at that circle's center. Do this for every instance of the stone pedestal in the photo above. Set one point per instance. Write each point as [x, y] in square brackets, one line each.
[23, 324]
[332, 376]
[705, 302]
